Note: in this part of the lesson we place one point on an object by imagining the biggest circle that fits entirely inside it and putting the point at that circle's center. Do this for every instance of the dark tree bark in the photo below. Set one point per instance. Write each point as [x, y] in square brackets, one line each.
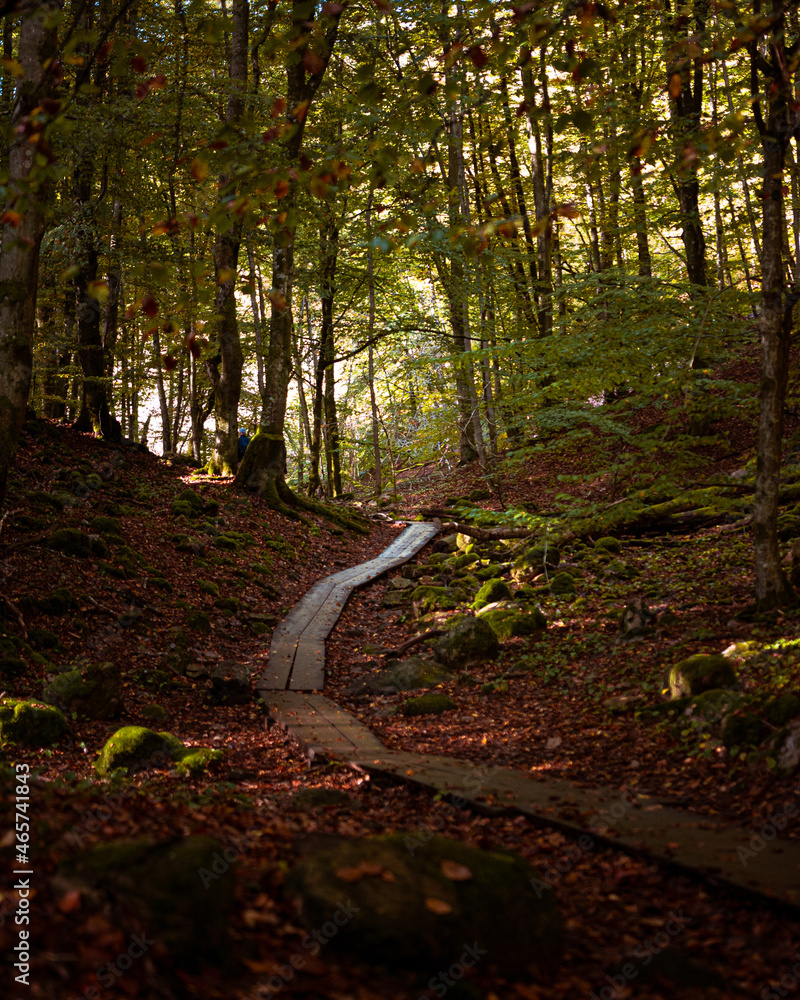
[227, 376]
[19, 261]
[778, 121]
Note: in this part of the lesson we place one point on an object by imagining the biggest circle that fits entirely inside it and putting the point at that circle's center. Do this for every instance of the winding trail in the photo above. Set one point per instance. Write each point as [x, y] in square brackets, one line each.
[705, 847]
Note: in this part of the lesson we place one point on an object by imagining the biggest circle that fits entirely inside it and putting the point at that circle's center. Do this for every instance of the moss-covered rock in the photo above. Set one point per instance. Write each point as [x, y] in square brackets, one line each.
[197, 760]
[30, 723]
[563, 584]
[508, 623]
[783, 707]
[209, 587]
[439, 898]
[57, 602]
[42, 638]
[711, 707]
[73, 542]
[491, 592]
[743, 729]
[464, 543]
[535, 560]
[466, 643]
[428, 598]
[699, 673]
[409, 674]
[226, 542]
[198, 621]
[428, 704]
[134, 748]
[229, 604]
[608, 544]
[103, 525]
[491, 571]
[319, 798]
[464, 560]
[154, 713]
[181, 892]
[92, 692]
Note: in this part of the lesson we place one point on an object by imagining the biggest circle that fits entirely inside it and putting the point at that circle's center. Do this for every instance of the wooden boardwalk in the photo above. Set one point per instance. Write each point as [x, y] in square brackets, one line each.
[297, 650]
[719, 852]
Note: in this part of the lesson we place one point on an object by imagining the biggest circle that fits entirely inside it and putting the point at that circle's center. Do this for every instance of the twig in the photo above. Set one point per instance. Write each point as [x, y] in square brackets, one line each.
[432, 634]
[10, 604]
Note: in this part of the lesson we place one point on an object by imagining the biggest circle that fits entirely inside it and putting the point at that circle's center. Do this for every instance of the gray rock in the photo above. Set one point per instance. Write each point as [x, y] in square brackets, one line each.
[92, 692]
[416, 901]
[467, 643]
[701, 673]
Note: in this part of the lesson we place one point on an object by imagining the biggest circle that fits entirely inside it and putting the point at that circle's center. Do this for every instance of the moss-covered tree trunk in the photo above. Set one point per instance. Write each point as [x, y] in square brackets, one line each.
[23, 228]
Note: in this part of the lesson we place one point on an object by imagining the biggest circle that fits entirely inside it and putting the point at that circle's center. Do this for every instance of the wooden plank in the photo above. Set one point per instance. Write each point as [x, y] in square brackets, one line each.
[363, 738]
[308, 672]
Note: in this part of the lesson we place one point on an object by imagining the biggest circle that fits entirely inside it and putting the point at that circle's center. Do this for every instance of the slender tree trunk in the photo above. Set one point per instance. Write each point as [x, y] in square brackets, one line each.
[19, 260]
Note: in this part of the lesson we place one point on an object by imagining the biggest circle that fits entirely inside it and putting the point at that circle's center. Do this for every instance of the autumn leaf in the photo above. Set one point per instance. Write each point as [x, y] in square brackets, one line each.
[13, 66]
[387, 876]
[158, 82]
[142, 90]
[352, 874]
[312, 63]
[417, 166]
[299, 113]
[455, 872]
[278, 299]
[11, 218]
[371, 867]
[199, 169]
[318, 186]
[70, 901]
[170, 364]
[139, 64]
[437, 905]
[382, 5]
[149, 306]
[98, 290]
[192, 346]
[478, 56]
[332, 9]
[278, 107]
[225, 274]
[281, 189]
[567, 210]
[674, 86]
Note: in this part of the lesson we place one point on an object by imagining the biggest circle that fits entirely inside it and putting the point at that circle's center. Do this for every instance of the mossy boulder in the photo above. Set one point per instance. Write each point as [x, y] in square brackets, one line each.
[783, 707]
[154, 713]
[42, 638]
[229, 604]
[30, 723]
[319, 798]
[92, 692]
[198, 760]
[181, 892]
[226, 542]
[103, 525]
[562, 584]
[464, 560]
[429, 598]
[73, 542]
[608, 544]
[209, 587]
[491, 592]
[409, 674]
[57, 602]
[187, 503]
[699, 673]
[428, 704]
[198, 621]
[743, 729]
[535, 560]
[508, 623]
[491, 571]
[466, 643]
[438, 898]
[134, 748]
[711, 708]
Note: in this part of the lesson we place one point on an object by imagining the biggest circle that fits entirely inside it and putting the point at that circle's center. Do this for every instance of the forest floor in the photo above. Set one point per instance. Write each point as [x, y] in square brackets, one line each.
[136, 605]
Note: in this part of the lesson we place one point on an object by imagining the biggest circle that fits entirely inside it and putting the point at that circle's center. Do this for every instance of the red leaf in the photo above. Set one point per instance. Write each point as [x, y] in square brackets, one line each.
[332, 9]
[478, 56]
[70, 902]
[149, 306]
[278, 107]
[142, 90]
[158, 82]
[312, 63]
[281, 189]
[138, 64]
[170, 364]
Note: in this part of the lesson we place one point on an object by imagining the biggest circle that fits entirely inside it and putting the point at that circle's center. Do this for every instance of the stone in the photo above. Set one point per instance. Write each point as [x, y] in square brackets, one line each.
[73, 542]
[229, 684]
[428, 704]
[533, 560]
[743, 729]
[58, 602]
[609, 544]
[154, 713]
[562, 583]
[393, 902]
[787, 744]
[30, 723]
[508, 623]
[400, 583]
[492, 570]
[196, 760]
[467, 643]
[492, 591]
[464, 542]
[181, 891]
[636, 619]
[699, 673]
[408, 675]
[429, 598]
[134, 748]
[319, 798]
[93, 691]
[198, 621]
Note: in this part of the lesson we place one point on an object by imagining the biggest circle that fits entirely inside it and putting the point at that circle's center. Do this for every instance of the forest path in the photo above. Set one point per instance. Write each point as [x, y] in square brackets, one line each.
[757, 863]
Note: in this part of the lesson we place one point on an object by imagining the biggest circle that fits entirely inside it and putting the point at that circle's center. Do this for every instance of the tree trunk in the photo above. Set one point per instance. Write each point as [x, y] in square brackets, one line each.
[19, 260]
[373, 402]
[227, 374]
